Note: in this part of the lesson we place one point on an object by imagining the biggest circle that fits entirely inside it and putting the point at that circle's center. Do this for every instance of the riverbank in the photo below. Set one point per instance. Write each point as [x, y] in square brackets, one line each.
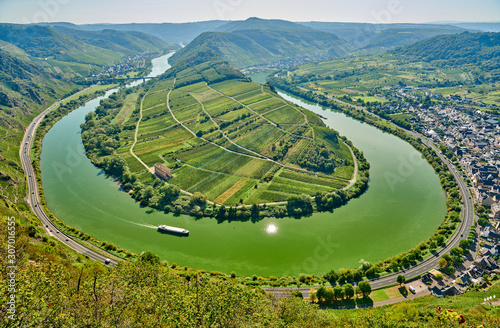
[387, 218]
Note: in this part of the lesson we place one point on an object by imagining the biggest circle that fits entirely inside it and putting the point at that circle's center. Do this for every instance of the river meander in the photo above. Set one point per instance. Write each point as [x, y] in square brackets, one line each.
[403, 206]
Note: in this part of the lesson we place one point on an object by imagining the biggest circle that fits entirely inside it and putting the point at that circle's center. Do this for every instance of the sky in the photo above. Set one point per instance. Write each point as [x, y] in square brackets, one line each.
[176, 11]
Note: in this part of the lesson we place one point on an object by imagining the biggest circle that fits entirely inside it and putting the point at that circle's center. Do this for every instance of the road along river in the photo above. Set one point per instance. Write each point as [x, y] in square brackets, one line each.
[403, 206]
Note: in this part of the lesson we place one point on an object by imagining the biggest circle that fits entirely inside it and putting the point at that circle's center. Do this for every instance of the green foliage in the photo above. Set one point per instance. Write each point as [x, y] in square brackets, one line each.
[482, 221]
[348, 291]
[77, 46]
[200, 64]
[149, 257]
[256, 41]
[477, 51]
[331, 276]
[365, 288]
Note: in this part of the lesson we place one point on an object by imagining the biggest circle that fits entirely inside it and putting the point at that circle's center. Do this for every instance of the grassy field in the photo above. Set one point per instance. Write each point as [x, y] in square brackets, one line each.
[366, 78]
[238, 143]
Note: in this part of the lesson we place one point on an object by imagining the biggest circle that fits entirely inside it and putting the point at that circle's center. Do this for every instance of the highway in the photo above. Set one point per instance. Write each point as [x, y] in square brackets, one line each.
[386, 280]
[462, 232]
[33, 195]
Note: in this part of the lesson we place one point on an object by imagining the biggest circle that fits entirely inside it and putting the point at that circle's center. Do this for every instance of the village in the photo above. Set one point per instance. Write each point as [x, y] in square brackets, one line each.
[469, 137]
[127, 64]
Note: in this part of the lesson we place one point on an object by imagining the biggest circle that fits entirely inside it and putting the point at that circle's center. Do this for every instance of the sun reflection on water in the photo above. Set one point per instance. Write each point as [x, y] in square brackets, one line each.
[271, 228]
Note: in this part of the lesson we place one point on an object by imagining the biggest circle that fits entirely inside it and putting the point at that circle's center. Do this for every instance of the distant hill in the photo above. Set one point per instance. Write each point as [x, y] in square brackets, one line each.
[481, 27]
[44, 42]
[169, 32]
[256, 41]
[255, 23]
[24, 89]
[119, 41]
[375, 38]
[478, 52]
[64, 44]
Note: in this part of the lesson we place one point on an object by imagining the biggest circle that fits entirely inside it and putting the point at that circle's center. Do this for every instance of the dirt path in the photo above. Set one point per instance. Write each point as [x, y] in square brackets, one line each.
[306, 122]
[150, 169]
[354, 176]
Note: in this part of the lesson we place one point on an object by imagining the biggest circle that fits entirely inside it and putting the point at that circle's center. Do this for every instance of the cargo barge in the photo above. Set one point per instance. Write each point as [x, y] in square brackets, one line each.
[173, 230]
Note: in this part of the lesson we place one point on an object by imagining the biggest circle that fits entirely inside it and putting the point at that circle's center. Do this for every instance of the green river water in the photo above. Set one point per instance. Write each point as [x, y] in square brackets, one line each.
[403, 206]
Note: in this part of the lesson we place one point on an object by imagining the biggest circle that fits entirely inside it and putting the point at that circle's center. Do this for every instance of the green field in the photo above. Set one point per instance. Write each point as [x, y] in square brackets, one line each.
[367, 77]
[237, 142]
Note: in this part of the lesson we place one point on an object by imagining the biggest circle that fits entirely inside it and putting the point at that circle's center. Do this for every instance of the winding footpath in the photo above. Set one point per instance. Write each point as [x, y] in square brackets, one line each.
[34, 197]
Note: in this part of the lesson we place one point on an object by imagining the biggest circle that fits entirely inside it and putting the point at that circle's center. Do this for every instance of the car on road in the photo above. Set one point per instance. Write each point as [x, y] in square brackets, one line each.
[107, 261]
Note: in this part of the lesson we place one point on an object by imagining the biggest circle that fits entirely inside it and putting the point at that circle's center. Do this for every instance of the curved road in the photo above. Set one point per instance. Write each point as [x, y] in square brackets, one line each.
[33, 196]
[430, 262]
[422, 267]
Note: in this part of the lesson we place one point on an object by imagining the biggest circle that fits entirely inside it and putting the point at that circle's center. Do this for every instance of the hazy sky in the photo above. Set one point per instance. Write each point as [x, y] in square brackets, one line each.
[157, 11]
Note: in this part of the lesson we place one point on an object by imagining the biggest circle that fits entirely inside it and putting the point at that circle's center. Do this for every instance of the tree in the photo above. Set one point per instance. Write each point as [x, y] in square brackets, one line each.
[364, 265]
[357, 274]
[482, 222]
[371, 272]
[357, 291]
[365, 288]
[464, 244]
[401, 279]
[331, 276]
[312, 296]
[456, 251]
[149, 257]
[329, 295]
[338, 292]
[439, 240]
[442, 263]
[348, 291]
[321, 293]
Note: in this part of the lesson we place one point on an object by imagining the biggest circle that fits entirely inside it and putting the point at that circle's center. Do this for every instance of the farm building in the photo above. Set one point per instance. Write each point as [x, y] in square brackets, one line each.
[163, 172]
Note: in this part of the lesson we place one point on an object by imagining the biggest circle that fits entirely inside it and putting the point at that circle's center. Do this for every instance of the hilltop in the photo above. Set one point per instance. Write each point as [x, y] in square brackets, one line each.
[478, 52]
[66, 45]
[201, 64]
[169, 32]
[257, 41]
[375, 38]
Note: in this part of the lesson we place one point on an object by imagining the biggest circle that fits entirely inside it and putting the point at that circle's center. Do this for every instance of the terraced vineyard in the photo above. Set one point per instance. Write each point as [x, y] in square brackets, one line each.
[236, 142]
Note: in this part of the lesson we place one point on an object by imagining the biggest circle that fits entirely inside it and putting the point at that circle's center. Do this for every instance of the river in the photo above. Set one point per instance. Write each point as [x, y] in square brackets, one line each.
[403, 206]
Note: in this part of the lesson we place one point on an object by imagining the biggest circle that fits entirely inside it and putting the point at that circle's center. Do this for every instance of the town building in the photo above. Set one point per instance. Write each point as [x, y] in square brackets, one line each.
[495, 210]
[163, 172]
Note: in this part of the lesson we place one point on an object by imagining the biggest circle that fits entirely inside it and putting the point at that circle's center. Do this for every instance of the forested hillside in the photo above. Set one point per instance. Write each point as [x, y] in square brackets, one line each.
[478, 52]
[99, 48]
[257, 41]
[376, 38]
